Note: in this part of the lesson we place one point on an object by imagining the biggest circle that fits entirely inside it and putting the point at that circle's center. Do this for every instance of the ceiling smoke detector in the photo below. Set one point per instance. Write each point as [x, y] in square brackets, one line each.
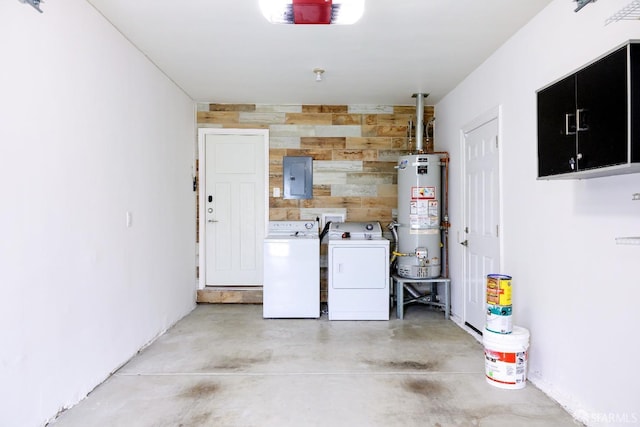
[343, 12]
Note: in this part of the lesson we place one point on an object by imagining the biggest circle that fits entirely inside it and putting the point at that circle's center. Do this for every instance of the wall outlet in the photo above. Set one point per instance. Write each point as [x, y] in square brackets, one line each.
[276, 191]
[636, 196]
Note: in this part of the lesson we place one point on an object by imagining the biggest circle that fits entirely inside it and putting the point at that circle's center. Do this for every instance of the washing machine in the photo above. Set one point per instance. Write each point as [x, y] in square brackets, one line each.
[358, 271]
[291, 283]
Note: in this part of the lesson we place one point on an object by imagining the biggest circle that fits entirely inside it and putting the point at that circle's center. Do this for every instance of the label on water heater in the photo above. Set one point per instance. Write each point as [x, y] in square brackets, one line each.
[420, 161]
[423, 221]
[424, 231]
[419, 207]
[423, 193]
[432, 212]
[424, 214]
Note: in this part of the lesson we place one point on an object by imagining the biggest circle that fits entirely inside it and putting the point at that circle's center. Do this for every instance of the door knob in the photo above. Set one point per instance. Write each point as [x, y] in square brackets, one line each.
[465, 243]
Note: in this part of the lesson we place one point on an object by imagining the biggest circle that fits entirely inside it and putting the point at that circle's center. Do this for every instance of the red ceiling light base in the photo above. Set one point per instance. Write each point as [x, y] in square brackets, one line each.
[312, 11]
[322, 12]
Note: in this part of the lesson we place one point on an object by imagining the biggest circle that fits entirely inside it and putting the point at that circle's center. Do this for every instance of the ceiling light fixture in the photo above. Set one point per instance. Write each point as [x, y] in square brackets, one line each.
[34, 3]
[582, 3]
[318, 72]
[340, 12]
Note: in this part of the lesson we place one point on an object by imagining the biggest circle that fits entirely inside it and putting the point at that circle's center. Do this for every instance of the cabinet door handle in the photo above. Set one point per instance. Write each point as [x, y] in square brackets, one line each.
[581, 119]
[569, 124]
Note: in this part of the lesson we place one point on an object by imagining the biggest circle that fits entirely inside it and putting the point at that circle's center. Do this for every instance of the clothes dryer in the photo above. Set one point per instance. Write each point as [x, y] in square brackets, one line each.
[358, 272]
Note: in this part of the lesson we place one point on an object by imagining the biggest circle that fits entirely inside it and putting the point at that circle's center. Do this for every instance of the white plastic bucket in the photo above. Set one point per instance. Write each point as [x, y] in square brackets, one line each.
[505, 357]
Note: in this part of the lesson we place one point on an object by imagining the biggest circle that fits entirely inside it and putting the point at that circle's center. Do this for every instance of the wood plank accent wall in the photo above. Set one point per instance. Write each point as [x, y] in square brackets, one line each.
[355, 149]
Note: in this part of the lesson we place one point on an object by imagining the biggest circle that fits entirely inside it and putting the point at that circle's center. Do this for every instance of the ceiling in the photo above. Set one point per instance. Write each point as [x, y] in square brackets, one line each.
[226, 52]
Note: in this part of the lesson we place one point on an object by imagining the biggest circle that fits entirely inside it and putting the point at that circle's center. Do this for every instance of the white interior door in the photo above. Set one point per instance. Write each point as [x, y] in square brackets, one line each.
[481, 215]
[233, 206]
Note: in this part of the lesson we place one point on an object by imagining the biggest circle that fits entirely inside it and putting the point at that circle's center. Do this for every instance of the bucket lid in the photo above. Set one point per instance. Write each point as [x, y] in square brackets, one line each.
[518, 337]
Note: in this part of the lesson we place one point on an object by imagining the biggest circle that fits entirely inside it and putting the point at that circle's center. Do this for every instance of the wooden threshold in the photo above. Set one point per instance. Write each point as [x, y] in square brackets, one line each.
[230, 295]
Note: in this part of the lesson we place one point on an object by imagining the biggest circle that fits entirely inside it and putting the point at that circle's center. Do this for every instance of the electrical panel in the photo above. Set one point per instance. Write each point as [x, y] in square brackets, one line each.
[297, 177]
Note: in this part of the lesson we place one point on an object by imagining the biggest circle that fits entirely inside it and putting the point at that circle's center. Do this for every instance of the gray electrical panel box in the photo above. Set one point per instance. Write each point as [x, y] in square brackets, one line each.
[297, 177]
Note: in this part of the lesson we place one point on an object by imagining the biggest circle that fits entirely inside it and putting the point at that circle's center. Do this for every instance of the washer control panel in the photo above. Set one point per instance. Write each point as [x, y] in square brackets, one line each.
[293, 228]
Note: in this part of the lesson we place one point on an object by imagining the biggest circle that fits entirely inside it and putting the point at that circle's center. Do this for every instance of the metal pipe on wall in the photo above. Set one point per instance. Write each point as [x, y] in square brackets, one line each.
[420, 120]
[444, 158]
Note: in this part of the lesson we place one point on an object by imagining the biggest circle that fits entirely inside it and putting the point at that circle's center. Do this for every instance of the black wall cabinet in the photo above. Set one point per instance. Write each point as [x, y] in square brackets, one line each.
[587, 121]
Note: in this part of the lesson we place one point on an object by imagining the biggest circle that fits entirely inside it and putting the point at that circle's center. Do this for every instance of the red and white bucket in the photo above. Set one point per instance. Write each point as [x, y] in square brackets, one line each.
[505, 357]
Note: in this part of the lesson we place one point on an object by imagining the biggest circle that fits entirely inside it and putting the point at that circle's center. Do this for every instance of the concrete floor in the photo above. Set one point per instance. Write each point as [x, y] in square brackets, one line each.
[224, 365]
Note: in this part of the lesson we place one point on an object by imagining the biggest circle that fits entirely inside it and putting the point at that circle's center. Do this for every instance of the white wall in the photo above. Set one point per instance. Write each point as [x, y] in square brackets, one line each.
[89, 129]
[574, 288]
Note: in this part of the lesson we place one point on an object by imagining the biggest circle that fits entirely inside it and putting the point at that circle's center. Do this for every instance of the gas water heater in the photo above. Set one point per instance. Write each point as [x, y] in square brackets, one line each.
[419, 242]
[419, 237]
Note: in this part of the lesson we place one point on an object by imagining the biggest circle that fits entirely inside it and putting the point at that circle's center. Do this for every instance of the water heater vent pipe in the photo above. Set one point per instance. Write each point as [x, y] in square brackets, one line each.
[420, 120]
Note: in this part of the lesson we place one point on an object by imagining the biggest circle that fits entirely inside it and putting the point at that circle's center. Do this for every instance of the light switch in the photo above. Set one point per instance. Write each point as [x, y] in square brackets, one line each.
[276, 191]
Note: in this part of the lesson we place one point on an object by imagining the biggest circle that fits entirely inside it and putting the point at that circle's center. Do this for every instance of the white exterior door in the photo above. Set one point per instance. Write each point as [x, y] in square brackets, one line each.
[481, 215]
[233, 206]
